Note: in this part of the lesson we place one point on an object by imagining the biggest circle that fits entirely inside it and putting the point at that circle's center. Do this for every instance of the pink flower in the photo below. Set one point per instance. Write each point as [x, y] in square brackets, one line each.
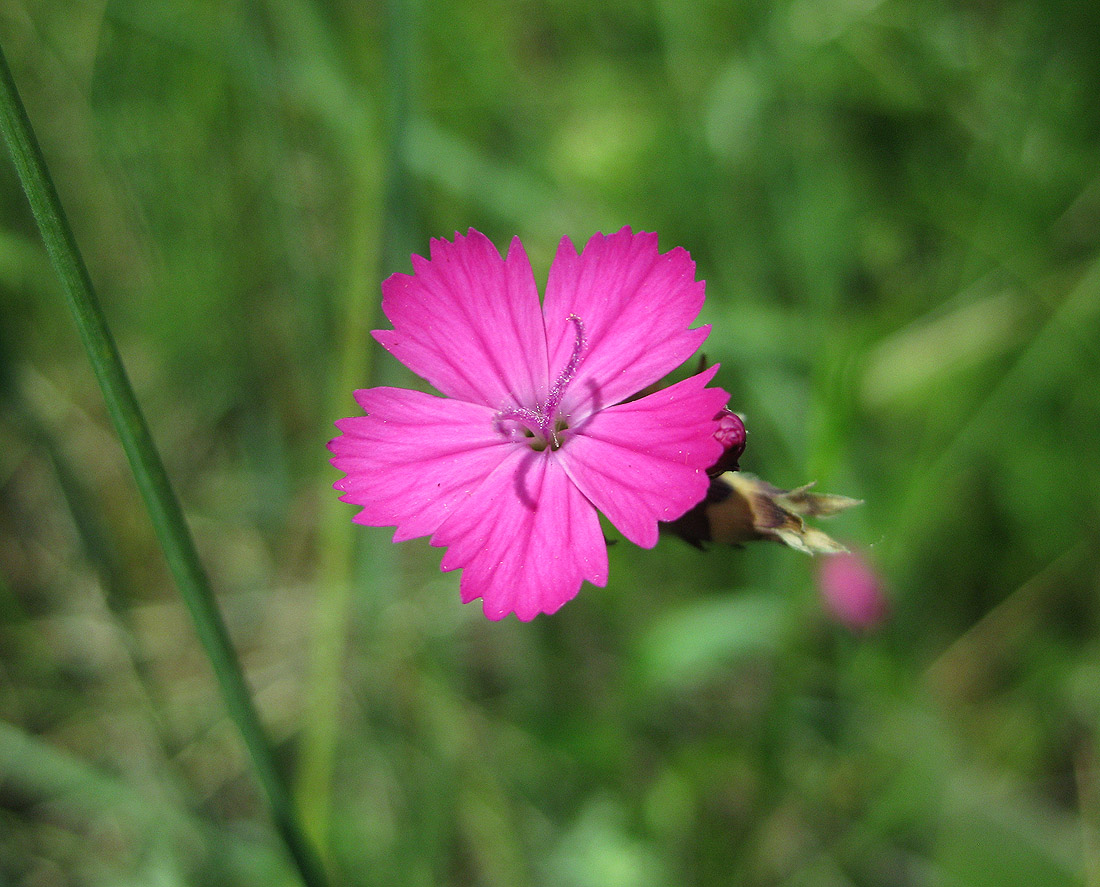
[536, 430]
[852, 591]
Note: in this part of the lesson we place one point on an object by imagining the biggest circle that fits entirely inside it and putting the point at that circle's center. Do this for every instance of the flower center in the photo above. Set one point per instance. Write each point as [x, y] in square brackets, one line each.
[542, 426]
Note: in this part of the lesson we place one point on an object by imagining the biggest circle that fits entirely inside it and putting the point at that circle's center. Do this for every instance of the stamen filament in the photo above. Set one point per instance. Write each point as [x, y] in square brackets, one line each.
[567, 374]
[542, 421]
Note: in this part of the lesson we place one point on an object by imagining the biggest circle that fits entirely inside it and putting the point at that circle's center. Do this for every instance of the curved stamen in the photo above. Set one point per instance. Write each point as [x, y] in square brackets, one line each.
[567, 374]
[530, 418]
[542, 422]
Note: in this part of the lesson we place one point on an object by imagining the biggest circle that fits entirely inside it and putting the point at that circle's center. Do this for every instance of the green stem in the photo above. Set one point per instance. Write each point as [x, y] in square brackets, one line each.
[152, 480]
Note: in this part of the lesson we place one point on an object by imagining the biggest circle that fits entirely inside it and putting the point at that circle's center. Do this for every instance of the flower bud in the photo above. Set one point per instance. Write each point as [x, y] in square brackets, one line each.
[732, 435]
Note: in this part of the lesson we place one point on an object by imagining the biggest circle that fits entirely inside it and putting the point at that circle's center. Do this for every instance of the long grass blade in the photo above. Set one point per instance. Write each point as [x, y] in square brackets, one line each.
[148, 470]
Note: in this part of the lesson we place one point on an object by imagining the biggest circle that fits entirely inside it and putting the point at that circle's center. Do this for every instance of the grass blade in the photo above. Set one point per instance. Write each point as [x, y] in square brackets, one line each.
[148, 470]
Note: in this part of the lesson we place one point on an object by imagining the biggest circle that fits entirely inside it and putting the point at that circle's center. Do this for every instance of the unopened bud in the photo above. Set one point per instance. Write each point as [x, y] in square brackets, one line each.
[731, 435]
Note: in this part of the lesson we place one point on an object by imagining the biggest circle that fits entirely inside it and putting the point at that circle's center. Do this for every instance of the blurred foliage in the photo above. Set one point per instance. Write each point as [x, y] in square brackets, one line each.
[896, 207]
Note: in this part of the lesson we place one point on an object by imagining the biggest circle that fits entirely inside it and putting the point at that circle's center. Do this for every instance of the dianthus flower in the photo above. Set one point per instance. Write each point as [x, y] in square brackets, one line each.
[852, 591]
[536, 430]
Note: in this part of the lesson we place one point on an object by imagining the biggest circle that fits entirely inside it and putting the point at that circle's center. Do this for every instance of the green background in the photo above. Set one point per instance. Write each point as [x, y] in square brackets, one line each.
[896, 208]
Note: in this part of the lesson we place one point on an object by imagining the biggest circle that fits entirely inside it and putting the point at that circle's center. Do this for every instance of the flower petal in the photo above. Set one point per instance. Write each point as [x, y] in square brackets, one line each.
[525, 539]
[469, 322]
[636, 305]
[646, 460]
[413, 458]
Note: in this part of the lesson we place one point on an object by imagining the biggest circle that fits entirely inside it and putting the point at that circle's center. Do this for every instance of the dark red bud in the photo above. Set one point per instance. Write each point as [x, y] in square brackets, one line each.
[731, 434]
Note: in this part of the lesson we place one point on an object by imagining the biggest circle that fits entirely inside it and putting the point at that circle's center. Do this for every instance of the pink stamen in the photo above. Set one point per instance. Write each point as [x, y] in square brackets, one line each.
[549, 412]
[530, 418]
[543, 419]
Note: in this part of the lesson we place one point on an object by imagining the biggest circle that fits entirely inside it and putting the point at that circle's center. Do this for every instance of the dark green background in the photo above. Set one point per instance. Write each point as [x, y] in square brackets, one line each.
[896, 207]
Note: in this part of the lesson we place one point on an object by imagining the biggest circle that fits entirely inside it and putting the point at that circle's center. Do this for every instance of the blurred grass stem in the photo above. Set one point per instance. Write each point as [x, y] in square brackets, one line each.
[339, 546]
[148, 469]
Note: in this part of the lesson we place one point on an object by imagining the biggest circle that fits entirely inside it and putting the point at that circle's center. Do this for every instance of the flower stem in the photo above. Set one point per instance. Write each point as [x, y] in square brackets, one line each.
[148, 470]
